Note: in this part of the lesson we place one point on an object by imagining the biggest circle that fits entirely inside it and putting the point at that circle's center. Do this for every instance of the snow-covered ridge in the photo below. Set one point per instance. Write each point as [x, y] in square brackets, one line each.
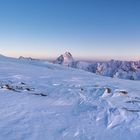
[113, 68]
[1, 56]
[27, 58]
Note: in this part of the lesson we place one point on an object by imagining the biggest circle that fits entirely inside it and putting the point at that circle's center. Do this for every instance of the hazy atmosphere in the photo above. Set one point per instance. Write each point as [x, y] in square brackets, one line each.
[89, 29]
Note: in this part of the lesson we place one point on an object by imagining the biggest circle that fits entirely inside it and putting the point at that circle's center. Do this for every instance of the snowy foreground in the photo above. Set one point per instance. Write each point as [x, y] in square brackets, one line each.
[43, 101]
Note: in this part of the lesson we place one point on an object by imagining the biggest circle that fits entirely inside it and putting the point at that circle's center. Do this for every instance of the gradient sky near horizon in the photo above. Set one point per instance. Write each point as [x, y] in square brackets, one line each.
[89, 29]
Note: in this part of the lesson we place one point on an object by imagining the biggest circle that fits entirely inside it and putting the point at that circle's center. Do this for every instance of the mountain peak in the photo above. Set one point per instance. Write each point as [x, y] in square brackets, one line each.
[64, 59]
[68, 54]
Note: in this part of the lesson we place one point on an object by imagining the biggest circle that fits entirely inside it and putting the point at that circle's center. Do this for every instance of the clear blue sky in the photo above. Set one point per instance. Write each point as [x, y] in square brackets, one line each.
[92, 29]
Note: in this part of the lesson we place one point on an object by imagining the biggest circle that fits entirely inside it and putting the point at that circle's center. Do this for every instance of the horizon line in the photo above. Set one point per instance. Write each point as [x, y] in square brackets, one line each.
[103, 58]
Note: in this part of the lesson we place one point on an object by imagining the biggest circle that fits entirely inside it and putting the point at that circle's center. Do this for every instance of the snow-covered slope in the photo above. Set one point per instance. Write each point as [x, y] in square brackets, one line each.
[44, 101]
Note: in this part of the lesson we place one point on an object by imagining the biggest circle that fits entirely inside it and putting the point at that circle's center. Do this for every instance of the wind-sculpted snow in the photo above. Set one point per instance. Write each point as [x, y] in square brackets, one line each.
[43, 101]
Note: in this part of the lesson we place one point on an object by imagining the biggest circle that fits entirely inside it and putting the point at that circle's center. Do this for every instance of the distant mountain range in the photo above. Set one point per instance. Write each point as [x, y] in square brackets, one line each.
[113, 68]
[27, 58]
